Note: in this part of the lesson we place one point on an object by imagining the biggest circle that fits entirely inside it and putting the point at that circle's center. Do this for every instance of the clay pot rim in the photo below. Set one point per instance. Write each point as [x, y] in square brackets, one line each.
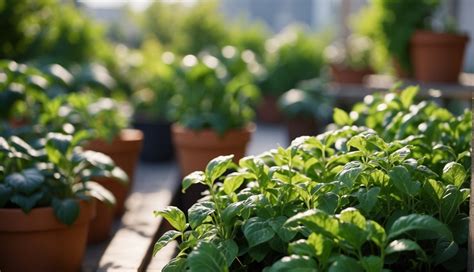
[430, 37]
[15, 220]
[176, 128]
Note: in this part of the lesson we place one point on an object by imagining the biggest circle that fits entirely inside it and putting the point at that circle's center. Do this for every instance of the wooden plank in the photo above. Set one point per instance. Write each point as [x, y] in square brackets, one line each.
[126, 251]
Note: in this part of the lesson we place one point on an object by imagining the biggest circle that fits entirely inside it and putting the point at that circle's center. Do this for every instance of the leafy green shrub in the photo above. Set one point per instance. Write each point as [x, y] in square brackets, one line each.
[103, 118]
[309, 99]
[391, 23]
[207, 96]
[355, 53]
[346, 200]
[293, 56]
[55, 172]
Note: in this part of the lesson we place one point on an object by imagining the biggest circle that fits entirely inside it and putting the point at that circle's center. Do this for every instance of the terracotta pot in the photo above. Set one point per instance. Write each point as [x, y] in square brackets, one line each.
[37, 241]
[124, 150]
[437, 56]
[196, 148]
[268, 111]
[347, 75]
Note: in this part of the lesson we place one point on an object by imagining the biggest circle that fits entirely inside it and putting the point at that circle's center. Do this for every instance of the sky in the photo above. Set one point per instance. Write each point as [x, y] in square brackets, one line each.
[134, 4]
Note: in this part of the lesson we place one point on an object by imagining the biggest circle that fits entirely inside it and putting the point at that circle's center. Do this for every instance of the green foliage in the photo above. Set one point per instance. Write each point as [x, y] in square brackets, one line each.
[208, 96]
[351, 199]
[56, 172]
[309, 99]
[354, 53]
[293, 56]
[390, 23]
[103, 118]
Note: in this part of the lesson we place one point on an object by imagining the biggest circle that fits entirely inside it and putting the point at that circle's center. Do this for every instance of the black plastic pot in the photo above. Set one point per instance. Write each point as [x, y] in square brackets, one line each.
[157, 144]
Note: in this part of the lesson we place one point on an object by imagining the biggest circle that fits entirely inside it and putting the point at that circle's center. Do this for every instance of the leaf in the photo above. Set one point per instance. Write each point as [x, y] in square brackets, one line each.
[232, 182]
[57, 146]
[26, 203]
[350, 173]
[66, 210]
[402, 245]
[367, 198]
[175, 265]
[401, 179]
[23, 147]
[174, 216]
[434, 189]
[257, 230]
[343, 263]
[450, 202]
[166, 238]
[372, 263]
[229, 249]
[198, 212]
[25, 182]
[445, 249]
[285, 233]
[193, 178]
[353, 216]
[407, 96]
[217, 166]
[99, 192]
[418, 222]
[206, 257]
[322, 245]
[341, 117]
[302, 247]
[317, 221]
[454, 173]
[232, 210]
[294, 263]
[5, 193]
[376, 233]
[328, 202]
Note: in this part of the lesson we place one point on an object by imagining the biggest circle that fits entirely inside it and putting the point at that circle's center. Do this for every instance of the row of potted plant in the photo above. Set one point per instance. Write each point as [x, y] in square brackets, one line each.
[60, 150]
[386, 189]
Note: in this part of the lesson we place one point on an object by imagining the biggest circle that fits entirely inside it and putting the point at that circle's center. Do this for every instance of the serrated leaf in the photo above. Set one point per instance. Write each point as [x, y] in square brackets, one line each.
[257, 230]
[206, 257]
[198, 212]
[66, 210]
[174, 216]
[165, 239]
[217, 166]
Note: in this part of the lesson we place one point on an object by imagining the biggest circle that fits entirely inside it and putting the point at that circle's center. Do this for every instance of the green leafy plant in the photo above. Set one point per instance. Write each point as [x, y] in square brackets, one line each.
[292, 56]
[55, 172]
[208, 97]
[309, 99]
[103, 118]
[346, 200]
[391, 23]
[354, 53]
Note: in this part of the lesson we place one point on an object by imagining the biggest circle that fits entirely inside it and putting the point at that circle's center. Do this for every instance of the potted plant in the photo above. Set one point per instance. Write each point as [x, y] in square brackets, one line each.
[212, 112]
[306, 108]
[46, 201]
[107, 124]
[347, 200]
[292, 56]
[151, 114]
[350, 61]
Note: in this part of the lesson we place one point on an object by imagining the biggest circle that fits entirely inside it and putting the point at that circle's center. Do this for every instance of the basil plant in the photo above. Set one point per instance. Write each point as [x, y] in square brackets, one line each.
[53, 171]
